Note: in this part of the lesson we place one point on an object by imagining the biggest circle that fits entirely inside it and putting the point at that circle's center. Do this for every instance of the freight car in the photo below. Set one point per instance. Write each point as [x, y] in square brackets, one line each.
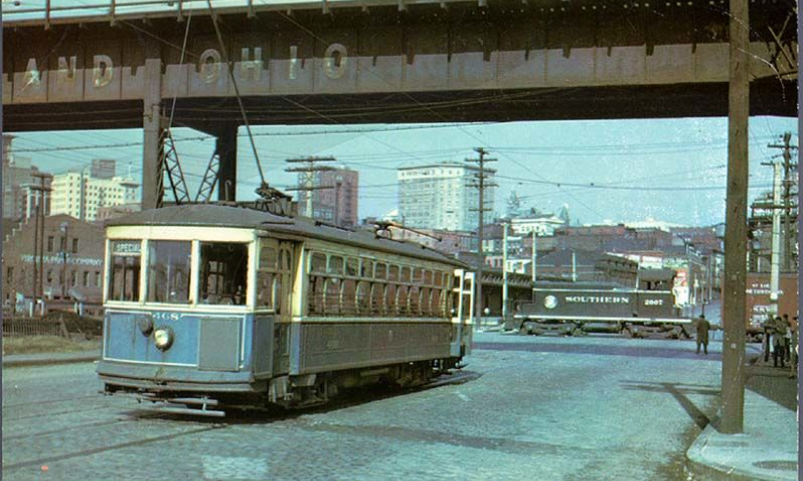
[579, 307]
[211, 306]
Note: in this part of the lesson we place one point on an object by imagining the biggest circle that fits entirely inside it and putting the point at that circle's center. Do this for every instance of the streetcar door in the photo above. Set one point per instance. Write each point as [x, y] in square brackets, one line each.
[286, 263]
[467, 317]
[284, 306]
[462, 308]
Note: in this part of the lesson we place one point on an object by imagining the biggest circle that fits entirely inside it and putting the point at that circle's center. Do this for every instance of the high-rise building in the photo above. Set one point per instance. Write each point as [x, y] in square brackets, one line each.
[443, 196]
[80, 195]
[103, 168]
[20, 182]
[334, 198]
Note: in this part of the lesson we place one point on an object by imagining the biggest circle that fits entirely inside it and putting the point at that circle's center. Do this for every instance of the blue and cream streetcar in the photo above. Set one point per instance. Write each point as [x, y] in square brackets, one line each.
[211, 306]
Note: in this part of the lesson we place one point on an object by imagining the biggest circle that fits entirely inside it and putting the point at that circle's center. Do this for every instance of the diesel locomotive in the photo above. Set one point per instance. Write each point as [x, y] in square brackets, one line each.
[575, 308]
[209, 307]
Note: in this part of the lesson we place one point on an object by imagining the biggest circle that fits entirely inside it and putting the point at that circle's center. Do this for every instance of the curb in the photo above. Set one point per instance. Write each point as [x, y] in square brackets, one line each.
[9, 363]
[697, 465]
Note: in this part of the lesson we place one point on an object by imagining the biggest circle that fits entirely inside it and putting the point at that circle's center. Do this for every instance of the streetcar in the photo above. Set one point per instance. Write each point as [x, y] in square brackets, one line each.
[210, 307]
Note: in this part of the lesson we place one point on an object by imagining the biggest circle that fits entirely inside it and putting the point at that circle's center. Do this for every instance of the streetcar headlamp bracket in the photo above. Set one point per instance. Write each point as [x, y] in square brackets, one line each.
[145, 325]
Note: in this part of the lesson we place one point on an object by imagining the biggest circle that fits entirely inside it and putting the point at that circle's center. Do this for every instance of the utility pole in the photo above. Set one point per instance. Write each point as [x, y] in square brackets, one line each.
[306, 177]
[39, 238]
[775, 255]
[336, 216]
[788, 182]
[65, 231]
[504, 272]
[481, 185]
[735, 278]
[534, 256]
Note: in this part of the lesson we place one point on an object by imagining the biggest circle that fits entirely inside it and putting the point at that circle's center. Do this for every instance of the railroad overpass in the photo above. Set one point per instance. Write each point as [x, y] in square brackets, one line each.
[122, 64]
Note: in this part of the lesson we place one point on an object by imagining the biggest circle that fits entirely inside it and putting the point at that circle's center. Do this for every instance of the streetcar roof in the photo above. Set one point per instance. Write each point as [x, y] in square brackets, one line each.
[239, 217]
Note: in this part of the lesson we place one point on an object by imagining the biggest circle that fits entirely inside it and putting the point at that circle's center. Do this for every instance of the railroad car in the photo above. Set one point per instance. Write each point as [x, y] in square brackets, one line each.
[214, 306]
[576, 308]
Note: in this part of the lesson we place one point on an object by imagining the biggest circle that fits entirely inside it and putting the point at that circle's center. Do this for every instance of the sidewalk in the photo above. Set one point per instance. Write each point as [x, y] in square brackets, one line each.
[45, 358]
[767, 450]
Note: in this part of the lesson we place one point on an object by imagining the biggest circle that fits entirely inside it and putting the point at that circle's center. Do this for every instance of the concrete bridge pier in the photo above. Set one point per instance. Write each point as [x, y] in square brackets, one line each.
[226, 149]
[152, 126]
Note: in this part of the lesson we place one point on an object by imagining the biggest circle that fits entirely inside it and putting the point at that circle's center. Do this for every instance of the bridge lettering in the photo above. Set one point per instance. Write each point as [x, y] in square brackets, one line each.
[210, 65]
[32, 76]
[67, 71]
[251, 69]
[293, 65]
[102, 71]
[334, 61]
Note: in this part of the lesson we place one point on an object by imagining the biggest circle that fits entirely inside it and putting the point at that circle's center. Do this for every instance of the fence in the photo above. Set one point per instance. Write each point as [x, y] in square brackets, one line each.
[33, 326]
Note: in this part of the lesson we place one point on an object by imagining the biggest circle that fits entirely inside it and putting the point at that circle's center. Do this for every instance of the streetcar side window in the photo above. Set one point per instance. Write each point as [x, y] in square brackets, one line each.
[224, 268]
[336, 265]
[318, 263]
[352, 267]
[124, 270]
[381, 271]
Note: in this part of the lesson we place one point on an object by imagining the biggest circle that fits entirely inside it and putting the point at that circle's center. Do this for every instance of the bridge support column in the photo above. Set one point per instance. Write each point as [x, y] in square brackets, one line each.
[226, 148]
[151, 126]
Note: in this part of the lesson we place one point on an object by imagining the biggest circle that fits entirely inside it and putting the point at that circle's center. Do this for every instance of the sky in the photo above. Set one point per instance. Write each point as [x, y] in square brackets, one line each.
[672, 170]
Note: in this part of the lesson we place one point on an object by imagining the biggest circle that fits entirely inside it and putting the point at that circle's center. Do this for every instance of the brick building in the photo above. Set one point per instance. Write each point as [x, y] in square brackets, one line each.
[336, 198]
[73, 250]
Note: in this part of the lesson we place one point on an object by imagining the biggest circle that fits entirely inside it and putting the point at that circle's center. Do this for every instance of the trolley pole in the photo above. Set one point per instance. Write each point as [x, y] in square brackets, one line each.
[735, 278]
[481, 185]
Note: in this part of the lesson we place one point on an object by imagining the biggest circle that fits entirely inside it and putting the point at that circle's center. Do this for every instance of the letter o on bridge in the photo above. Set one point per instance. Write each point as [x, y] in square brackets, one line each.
[210, 65]
[334, 61]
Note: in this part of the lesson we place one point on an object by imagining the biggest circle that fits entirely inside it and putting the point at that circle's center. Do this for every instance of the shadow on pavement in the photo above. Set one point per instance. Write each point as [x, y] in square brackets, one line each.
[679, 392]
[348, 398]
[773, 384]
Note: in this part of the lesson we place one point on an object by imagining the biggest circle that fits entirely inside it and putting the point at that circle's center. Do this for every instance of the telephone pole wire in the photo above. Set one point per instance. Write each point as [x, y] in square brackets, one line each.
[480, 184]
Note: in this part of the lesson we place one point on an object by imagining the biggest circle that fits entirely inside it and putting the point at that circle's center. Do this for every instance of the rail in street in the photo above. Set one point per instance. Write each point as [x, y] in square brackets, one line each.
[524, 408]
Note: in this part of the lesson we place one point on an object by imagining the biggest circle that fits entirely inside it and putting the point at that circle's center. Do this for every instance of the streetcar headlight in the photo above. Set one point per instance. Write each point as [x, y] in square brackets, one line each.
[163, 337]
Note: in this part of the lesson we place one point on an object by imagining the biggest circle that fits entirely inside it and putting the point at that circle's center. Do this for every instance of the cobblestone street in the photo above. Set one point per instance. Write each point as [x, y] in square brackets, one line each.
[523, 408]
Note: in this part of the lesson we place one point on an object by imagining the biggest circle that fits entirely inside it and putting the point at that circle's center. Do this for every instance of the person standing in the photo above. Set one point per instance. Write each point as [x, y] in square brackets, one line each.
[769, 330]
[787, 338]
[793, 349]
[779, 338]
[703, 326]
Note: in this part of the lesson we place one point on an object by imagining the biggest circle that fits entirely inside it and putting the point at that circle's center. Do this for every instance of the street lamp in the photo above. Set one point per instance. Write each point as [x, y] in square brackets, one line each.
[64, 228]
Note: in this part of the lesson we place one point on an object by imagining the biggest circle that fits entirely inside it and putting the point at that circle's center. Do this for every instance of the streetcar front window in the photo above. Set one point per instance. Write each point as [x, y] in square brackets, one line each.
[224, 268]
[124, 270]
[169, 270]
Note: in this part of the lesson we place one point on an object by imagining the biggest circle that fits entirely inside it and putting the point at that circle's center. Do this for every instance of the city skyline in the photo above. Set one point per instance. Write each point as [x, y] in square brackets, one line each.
[605, 171]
